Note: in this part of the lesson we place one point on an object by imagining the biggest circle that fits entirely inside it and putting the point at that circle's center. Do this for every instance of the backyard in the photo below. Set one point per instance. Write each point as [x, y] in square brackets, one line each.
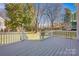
[39, 29]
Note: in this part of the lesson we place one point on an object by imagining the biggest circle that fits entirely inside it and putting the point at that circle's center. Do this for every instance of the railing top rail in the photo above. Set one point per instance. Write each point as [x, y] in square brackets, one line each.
[32, 32]
[15, 32]
[59, 31]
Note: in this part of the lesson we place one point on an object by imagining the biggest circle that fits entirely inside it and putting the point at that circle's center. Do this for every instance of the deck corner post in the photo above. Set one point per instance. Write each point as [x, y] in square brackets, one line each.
[77, 21]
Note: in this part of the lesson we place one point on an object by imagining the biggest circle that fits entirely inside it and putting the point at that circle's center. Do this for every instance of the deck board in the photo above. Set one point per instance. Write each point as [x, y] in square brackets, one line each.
[53, 46]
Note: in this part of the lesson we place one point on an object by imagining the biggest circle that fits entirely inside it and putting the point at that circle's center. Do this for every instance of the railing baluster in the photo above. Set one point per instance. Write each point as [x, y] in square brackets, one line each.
[12, 37]
[7, 38]
[4, 38]
[1, 38]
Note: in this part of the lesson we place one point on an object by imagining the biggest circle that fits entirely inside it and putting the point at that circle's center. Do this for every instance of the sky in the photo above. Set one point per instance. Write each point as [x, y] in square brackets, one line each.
[71, 6]
[2, 6]
[65, 5]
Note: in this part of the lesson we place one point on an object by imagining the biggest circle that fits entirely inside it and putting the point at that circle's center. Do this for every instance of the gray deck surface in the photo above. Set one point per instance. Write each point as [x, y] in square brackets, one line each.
[53, 46]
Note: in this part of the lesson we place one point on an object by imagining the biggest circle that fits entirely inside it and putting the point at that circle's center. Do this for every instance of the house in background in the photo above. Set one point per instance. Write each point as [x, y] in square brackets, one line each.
[2, 24]
[73, 25]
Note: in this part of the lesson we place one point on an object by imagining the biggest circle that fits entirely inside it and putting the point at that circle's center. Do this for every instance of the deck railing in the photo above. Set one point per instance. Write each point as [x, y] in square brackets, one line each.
[12, 37]
[64, 34]
[9, 37]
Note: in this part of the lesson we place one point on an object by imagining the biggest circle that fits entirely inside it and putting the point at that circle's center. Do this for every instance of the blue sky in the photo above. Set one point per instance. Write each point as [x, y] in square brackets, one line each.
[2, 6]
[65, 5]
[71, 6]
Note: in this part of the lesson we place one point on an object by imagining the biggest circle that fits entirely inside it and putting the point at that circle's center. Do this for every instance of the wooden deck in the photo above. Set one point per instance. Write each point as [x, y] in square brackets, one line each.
[53, 46]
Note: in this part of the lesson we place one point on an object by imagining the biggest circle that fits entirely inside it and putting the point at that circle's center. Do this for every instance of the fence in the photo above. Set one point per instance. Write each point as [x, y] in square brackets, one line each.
[12, 37]
[64, 34]
[9, 37]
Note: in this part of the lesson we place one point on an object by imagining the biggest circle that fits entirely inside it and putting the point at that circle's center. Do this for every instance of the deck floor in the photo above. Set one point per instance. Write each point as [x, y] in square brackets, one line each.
[53, 46]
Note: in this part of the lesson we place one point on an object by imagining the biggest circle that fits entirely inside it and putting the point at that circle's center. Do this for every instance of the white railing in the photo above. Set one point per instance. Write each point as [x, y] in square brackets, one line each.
[9, 37]
[64, 34]
[12, 37]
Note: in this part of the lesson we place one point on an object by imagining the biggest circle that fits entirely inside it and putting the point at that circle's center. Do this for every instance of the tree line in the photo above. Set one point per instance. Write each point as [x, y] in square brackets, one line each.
[24, 16]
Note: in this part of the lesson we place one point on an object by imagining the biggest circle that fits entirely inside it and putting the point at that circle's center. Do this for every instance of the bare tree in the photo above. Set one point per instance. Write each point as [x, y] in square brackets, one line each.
[52, 11]
[37, 13]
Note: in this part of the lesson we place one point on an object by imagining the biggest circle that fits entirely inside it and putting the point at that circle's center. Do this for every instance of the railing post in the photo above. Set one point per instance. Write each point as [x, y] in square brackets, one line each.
[1, 38]
[77, 16]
